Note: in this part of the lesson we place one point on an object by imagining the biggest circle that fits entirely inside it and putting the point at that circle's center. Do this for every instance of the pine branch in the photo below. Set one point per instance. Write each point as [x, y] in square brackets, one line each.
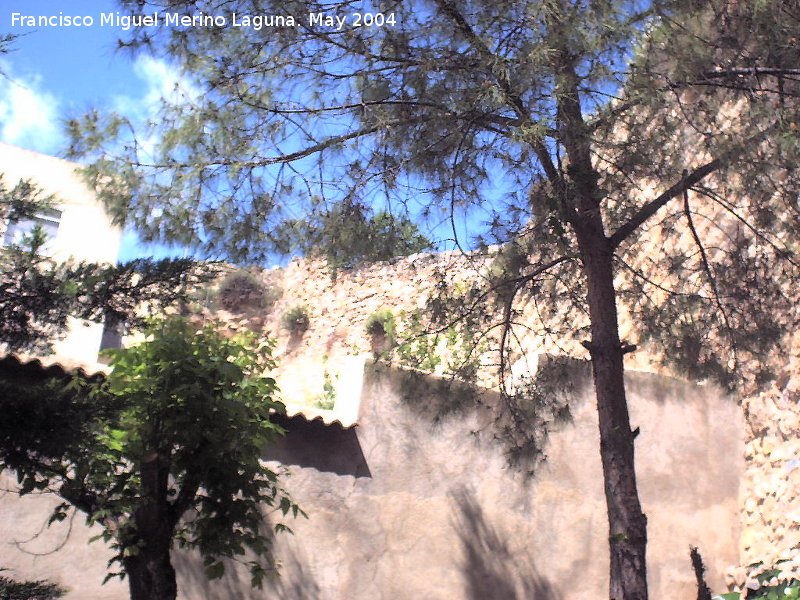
[514, 99]
[292, 156]
[707, 269]
[652, 207]
[685, 183]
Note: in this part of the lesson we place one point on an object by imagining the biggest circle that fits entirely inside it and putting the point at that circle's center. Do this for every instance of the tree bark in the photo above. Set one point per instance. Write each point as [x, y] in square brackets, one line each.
[626, 521]
[150, 572]
[581, 206]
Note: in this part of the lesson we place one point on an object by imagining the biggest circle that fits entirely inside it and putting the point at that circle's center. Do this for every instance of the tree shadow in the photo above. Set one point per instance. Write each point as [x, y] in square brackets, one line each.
[521, 420]
[292, 582]
[296, 582]
[295, 341]
[193, 583]
[490, 569]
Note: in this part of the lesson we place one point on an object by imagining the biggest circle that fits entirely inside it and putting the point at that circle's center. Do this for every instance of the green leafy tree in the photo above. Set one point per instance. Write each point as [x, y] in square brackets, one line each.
[38, 294]
[635, 155]
[165, 451]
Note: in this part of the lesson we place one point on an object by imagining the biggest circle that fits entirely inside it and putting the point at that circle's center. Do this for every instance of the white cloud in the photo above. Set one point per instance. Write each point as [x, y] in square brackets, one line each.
[28, 114]
[164, 81]
[161, 80]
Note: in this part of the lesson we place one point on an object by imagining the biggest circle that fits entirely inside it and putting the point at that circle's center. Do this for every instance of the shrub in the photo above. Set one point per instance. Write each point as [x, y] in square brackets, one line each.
[241, 290]
[28, 590]
[381, 328]
[296, 320]
[381, 322]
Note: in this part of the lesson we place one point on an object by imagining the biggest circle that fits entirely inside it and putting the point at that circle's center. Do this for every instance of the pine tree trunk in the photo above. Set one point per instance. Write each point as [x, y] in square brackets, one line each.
[581, 207]
[627, 524]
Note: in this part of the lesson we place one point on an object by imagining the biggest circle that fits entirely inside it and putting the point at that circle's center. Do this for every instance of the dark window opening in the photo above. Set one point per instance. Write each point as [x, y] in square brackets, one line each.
[111, 339]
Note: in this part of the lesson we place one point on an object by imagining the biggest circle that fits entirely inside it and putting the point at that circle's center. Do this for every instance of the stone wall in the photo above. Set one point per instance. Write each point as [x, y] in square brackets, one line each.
[339, 305]
[770, 498]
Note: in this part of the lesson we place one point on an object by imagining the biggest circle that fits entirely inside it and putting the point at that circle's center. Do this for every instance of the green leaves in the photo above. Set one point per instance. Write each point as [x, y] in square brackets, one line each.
[187, 403]
[215, 570]
[201, 402]
[767, 583]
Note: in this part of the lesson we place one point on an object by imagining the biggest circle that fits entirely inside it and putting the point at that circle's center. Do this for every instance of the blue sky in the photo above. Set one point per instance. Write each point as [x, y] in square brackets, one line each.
[59, 71]
[56, 72]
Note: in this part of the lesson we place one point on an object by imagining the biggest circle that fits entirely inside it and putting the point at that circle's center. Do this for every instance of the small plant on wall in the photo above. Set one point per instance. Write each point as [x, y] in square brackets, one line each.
[327, 400]
[776, 583]
[380, 328]
[240, 291]
[296, 320]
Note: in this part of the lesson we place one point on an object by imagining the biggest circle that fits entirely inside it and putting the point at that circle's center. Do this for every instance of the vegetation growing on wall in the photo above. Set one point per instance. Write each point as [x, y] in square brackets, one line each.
[327, 400]
[449, 350]
[380, 326]
[241, 291]
[767, 583]
[296, 320]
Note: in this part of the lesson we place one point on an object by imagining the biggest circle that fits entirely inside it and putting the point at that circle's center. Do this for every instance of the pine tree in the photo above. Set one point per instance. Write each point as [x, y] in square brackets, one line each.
[644, 155]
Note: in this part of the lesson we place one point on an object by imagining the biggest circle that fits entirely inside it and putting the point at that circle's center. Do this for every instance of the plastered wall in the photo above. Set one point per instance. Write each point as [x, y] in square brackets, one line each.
[419, 501]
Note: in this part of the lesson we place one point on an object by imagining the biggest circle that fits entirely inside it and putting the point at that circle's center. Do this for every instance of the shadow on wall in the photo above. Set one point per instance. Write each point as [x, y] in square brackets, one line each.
[193, 583]
[521, 420]
[491, 571]
[293, 581]
[327, 448]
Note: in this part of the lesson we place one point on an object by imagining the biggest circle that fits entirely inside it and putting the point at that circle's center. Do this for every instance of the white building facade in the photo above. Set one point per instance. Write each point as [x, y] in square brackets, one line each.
[79, 229]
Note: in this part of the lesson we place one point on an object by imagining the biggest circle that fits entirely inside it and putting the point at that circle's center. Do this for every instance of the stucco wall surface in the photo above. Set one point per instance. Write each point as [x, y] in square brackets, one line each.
[61, 554]
[420, 502]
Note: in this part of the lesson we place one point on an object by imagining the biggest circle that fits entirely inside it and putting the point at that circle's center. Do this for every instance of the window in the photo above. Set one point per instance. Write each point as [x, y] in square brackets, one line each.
[47, 220]
[112, 338]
